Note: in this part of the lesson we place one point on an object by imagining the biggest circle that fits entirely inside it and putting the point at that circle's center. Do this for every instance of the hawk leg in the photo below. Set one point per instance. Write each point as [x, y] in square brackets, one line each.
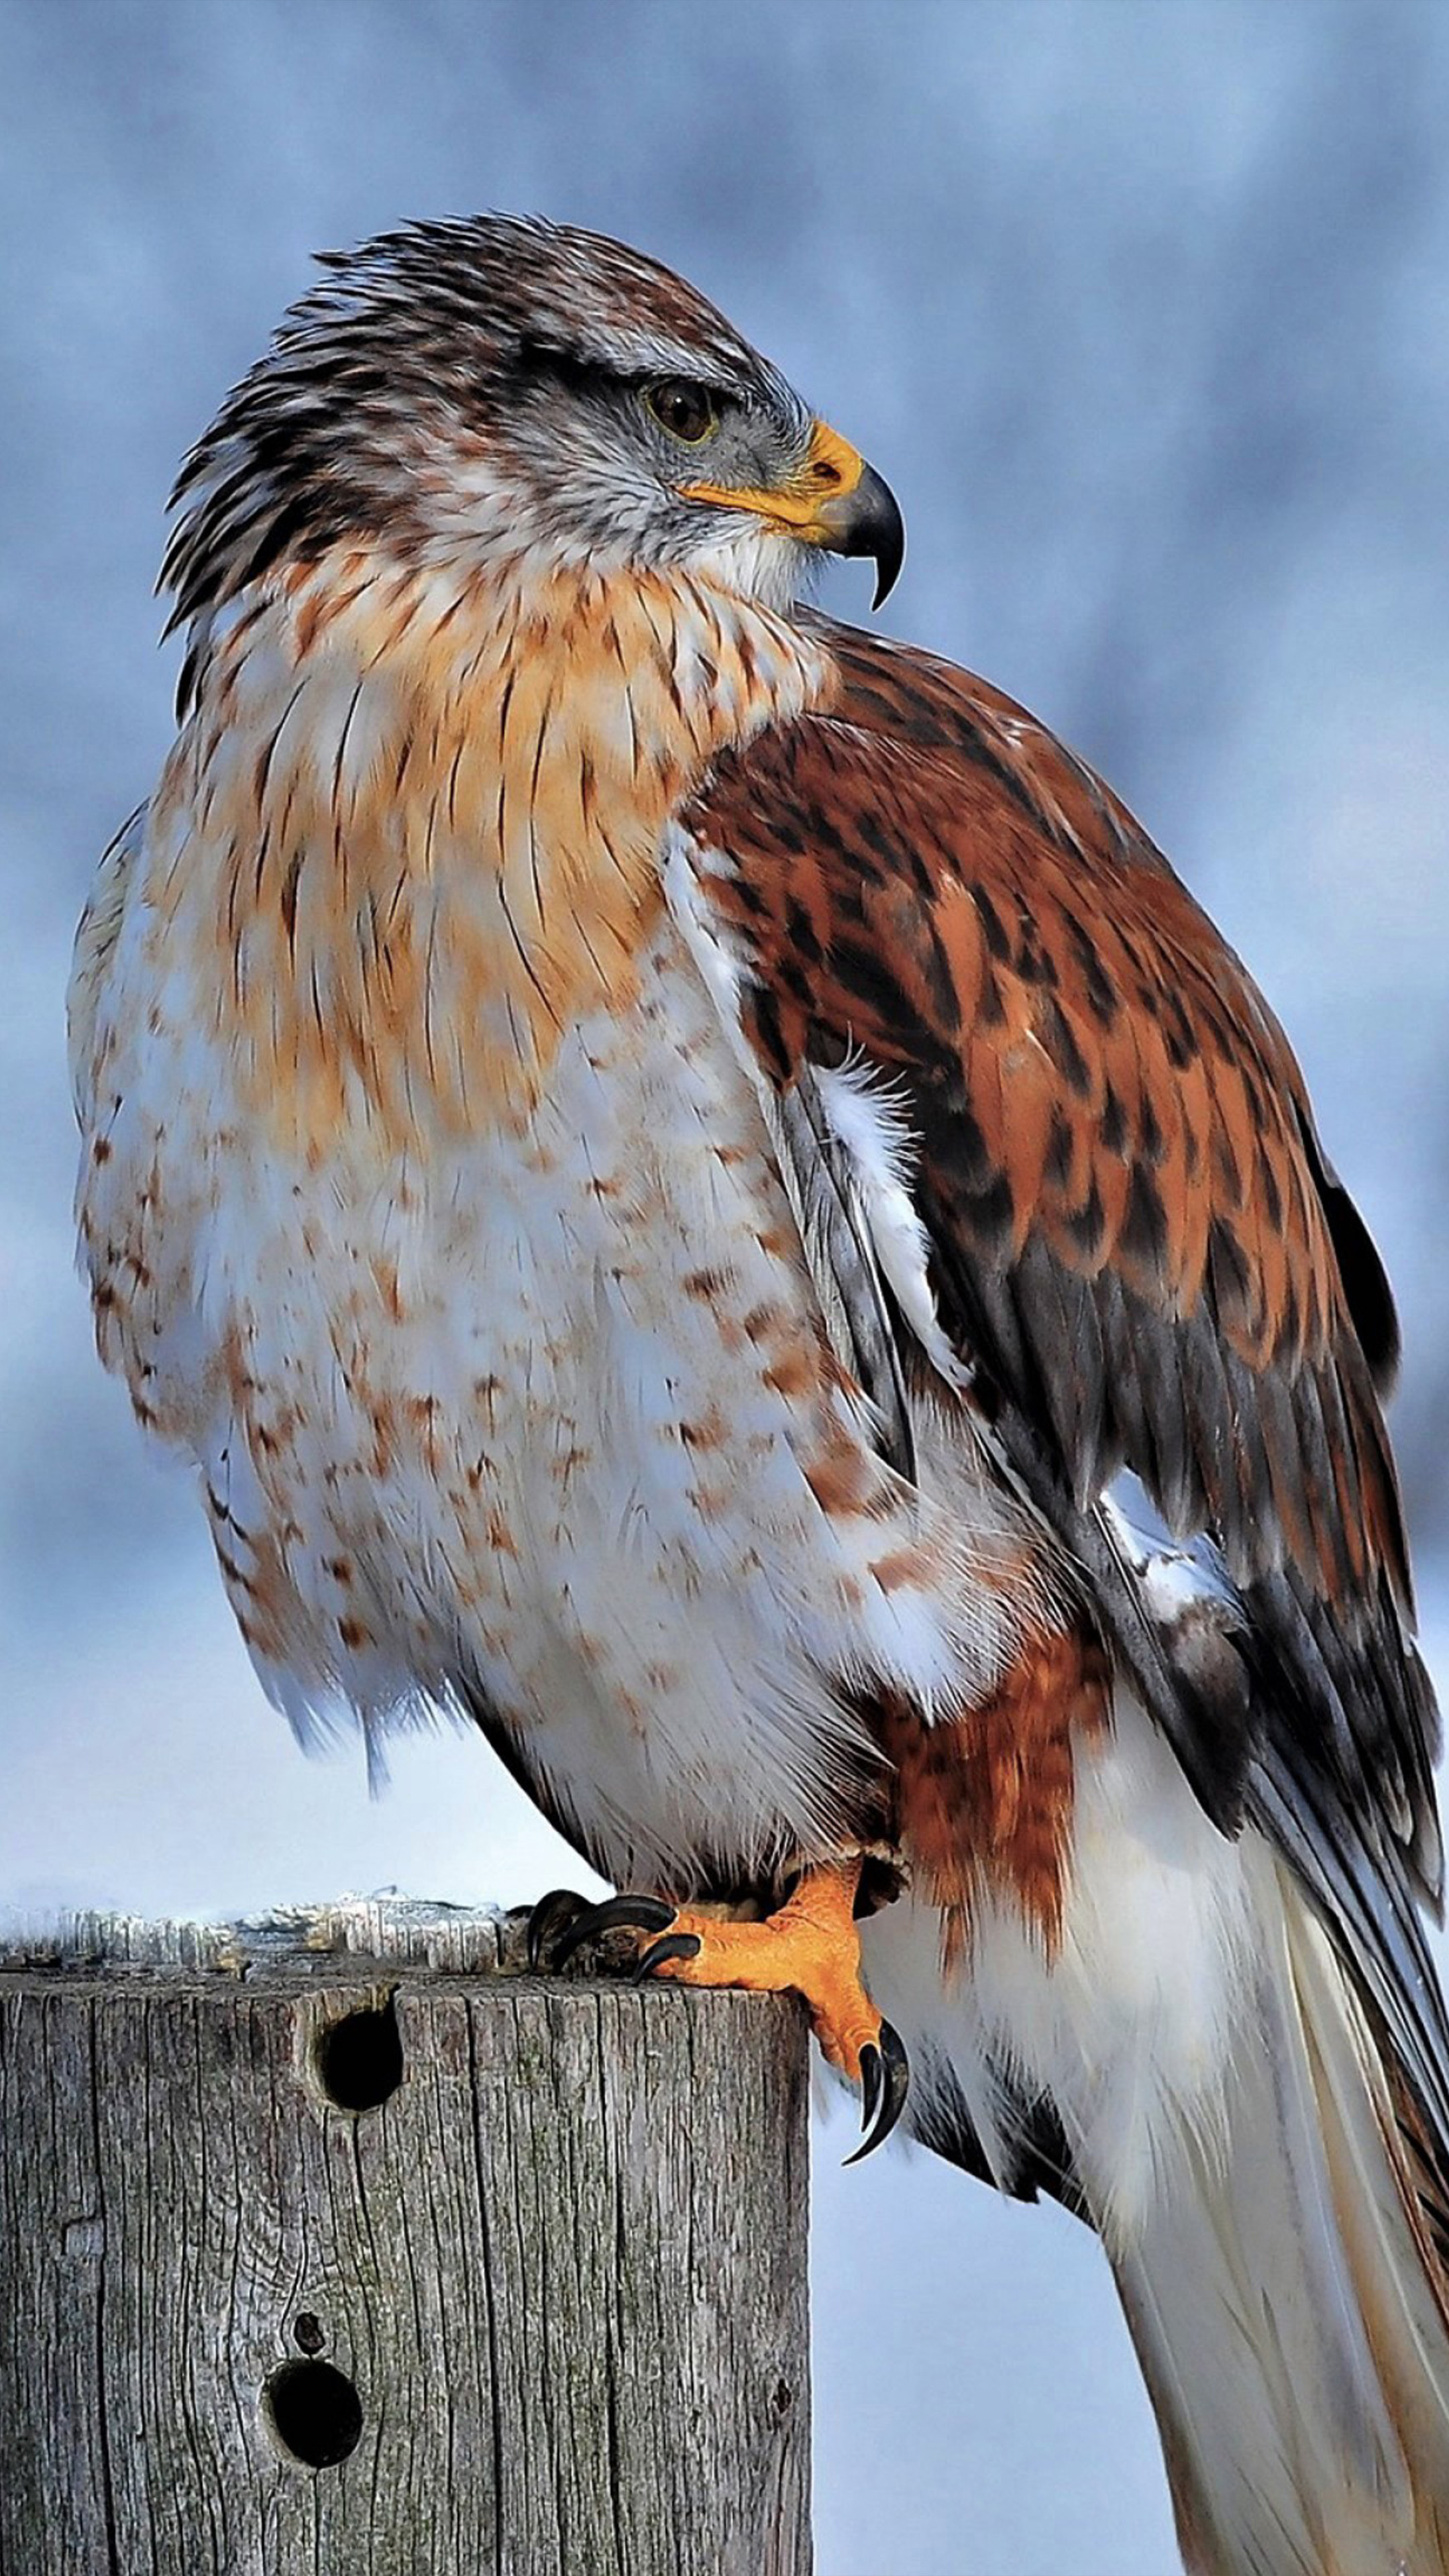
[810, 1948]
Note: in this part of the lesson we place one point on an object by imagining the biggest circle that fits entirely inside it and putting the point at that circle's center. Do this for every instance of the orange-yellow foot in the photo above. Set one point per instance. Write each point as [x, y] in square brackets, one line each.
[810, 1948]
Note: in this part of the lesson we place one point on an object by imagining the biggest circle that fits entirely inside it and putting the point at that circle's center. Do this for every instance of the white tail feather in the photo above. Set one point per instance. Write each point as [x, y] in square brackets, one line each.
[1283, 2303]
[1231, 2125]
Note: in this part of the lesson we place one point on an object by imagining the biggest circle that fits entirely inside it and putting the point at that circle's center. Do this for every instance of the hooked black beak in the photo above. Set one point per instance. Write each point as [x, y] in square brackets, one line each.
[866, 520]
[831, 498]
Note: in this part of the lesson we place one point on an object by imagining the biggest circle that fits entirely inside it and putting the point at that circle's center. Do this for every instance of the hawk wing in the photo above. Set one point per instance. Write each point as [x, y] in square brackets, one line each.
[1134, 1254]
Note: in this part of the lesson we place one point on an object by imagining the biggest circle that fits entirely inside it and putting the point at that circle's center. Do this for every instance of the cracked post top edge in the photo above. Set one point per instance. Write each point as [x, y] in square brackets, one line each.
[380, 1934]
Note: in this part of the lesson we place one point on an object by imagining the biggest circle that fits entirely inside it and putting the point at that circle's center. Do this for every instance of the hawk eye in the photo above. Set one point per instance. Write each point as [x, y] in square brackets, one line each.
[685, 410]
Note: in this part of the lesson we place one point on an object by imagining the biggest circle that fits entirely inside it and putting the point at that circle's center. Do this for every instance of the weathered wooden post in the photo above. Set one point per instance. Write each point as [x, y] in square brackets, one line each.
[339, 2247]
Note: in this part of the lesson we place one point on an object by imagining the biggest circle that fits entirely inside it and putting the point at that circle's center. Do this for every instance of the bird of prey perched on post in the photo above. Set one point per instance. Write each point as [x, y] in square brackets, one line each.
[700, 1193]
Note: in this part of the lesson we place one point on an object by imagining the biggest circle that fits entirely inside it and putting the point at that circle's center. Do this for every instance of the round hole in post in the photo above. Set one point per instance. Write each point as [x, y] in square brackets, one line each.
[359, 2059]
[315, 2413]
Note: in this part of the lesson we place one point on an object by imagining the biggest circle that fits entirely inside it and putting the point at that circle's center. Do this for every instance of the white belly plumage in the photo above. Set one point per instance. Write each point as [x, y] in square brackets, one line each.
[546, 1416]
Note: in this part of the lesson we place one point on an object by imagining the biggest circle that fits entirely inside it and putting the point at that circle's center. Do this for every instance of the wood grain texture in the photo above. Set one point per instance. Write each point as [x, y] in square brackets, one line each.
[563, 2265]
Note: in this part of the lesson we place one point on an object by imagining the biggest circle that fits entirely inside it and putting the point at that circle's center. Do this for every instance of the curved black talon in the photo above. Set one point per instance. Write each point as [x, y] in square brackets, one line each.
[885, 2080]
[675, 1945]
[561, 1905]
[616, 1914]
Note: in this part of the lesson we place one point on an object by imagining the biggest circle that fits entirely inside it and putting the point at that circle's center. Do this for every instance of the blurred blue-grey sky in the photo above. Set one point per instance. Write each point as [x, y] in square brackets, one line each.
[1142, 306]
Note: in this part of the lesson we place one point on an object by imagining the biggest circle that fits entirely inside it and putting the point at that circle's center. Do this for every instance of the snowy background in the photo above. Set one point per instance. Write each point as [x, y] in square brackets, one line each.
[1142, 306]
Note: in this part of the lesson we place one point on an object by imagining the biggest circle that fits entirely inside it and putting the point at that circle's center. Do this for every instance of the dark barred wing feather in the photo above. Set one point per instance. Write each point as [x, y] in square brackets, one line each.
[1137, 1244]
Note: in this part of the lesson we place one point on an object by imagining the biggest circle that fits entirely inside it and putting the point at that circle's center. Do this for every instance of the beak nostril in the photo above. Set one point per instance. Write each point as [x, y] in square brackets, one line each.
[863, 518]
[827, 474]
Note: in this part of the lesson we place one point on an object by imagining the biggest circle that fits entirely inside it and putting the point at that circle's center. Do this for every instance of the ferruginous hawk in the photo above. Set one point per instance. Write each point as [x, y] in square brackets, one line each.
[700, 1193]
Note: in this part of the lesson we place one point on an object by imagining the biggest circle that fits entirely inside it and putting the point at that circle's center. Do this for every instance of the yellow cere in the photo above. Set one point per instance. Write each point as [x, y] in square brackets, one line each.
[830, 468]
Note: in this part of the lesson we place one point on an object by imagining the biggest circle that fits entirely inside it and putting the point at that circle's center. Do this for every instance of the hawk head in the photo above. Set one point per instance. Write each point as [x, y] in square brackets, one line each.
[504, 388]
